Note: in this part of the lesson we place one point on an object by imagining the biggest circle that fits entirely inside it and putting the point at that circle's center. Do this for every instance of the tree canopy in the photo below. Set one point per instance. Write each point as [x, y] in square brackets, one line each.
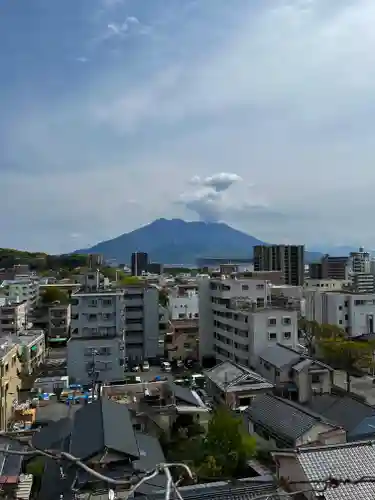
[54, 294]
[222, 452]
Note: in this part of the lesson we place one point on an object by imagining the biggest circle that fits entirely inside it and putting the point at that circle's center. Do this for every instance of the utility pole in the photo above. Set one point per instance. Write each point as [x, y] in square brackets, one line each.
[93, 372]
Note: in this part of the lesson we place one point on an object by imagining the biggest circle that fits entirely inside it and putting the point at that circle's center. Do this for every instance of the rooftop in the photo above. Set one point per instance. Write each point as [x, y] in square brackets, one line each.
[351, 460]
[279, 356]
[282, 417]
[231, 377]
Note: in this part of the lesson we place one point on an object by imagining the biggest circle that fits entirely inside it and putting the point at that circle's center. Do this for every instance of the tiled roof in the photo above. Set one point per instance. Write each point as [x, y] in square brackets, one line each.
[280, 356]
[343, 410]
[283, 418]
[229, 376]
[350, 461]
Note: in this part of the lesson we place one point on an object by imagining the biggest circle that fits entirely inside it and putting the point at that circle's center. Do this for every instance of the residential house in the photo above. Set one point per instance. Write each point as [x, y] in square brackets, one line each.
[316, 464]
[13, 484]
[295, 375]
[102, 435]
[282, 423]
[351, 413]
[156, 406]
[235, 385]
[9, 381]
[182, 341]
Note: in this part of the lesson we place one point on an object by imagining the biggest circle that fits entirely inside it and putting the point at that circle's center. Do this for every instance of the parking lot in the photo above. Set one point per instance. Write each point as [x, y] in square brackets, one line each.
[363, 386]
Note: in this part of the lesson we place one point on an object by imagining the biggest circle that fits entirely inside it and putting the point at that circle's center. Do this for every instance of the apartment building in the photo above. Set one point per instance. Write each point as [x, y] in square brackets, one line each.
[360, 262]
[182, 341]
[326, 284]
[31, 355]
[237, 320]
[111, 327]
[13, 317]
[290, 259]
[22, 289]
[97, 342]
[362, 282]
[59, 319]
[9, 381]
[337, 268]
[353, 312]
[185, 306]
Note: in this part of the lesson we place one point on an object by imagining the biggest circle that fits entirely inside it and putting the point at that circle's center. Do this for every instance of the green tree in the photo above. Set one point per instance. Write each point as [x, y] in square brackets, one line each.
[228, 443]
[347, 355]
[54, 294]
[163, 297]
[130, 280]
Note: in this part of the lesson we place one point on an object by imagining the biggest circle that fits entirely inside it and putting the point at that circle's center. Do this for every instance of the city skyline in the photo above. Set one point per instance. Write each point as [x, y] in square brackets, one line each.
[117, 112]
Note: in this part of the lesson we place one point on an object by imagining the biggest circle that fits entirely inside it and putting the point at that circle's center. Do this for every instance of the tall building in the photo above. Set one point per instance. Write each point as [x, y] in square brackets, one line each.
[237, 320]
[139, 263]
[360, 262]
[289, 259]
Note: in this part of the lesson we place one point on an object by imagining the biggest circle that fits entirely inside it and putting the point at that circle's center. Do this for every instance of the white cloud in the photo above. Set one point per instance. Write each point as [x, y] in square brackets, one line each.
[281, 93]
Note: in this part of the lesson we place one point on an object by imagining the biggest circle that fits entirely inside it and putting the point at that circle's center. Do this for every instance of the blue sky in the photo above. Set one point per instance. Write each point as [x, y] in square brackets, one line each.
[116, 112]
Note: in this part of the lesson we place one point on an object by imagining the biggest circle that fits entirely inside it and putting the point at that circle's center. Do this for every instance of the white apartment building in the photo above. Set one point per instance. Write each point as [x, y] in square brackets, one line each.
[184, 307]
[22, 289]
[237, 321]
[353, 312]
[325, 285]
[360, 262]
[110, 328]
[13, 317]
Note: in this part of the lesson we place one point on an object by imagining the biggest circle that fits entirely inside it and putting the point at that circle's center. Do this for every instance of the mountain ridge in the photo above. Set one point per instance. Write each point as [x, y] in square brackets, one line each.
[175, 241]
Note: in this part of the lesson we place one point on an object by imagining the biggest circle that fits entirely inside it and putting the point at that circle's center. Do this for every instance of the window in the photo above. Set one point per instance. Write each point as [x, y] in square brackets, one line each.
[107, 302]
[287, 320]
[346, 317]
[287, 335]
[272, 336]
[277, 373]
[340, 308]
[340, 321]
[346, 303]
[271, 321]
[260, 287]
[315, 379]
[93, 303]
[245, 287]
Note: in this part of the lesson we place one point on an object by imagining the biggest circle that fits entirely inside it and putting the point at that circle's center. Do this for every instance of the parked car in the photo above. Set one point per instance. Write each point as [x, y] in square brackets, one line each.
[135, 368]
[146, 366]
[166, 366]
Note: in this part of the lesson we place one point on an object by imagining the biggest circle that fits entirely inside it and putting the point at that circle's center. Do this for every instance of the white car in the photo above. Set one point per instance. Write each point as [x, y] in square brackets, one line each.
[145, 366]
[166, 366]
[135, 368]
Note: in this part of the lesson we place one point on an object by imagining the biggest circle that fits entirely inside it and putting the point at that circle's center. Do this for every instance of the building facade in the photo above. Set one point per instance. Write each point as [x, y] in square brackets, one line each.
[13, 317]
[182, 341]
[353, 312]
[290, 259]
[185, 306]
[139, 263]
[237, 321]
[21, 290]
[9, 381]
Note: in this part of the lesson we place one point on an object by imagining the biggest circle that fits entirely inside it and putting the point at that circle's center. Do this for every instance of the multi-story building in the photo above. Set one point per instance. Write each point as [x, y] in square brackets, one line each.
[96, 347]
[360, 262]
[110, 327]
[13, 317]
[9, 381]
[59, 318]
[31, 354]
[290, 259]
[22, 289]
[362, 282]
[182, 341]
[351, 311]
[237, 321]
[326, 285]
[184, 306]
[336, 268]
[139, 263]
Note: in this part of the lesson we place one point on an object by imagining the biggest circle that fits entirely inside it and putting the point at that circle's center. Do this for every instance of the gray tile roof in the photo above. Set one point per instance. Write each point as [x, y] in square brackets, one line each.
[280, 356]
[229, 376]
[343, 410]
[283, 418]
[10, 465]
[183, 394]
[351, 461]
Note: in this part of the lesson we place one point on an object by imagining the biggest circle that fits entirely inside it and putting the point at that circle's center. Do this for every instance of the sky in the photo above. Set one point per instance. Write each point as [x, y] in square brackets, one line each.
[117, 112]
